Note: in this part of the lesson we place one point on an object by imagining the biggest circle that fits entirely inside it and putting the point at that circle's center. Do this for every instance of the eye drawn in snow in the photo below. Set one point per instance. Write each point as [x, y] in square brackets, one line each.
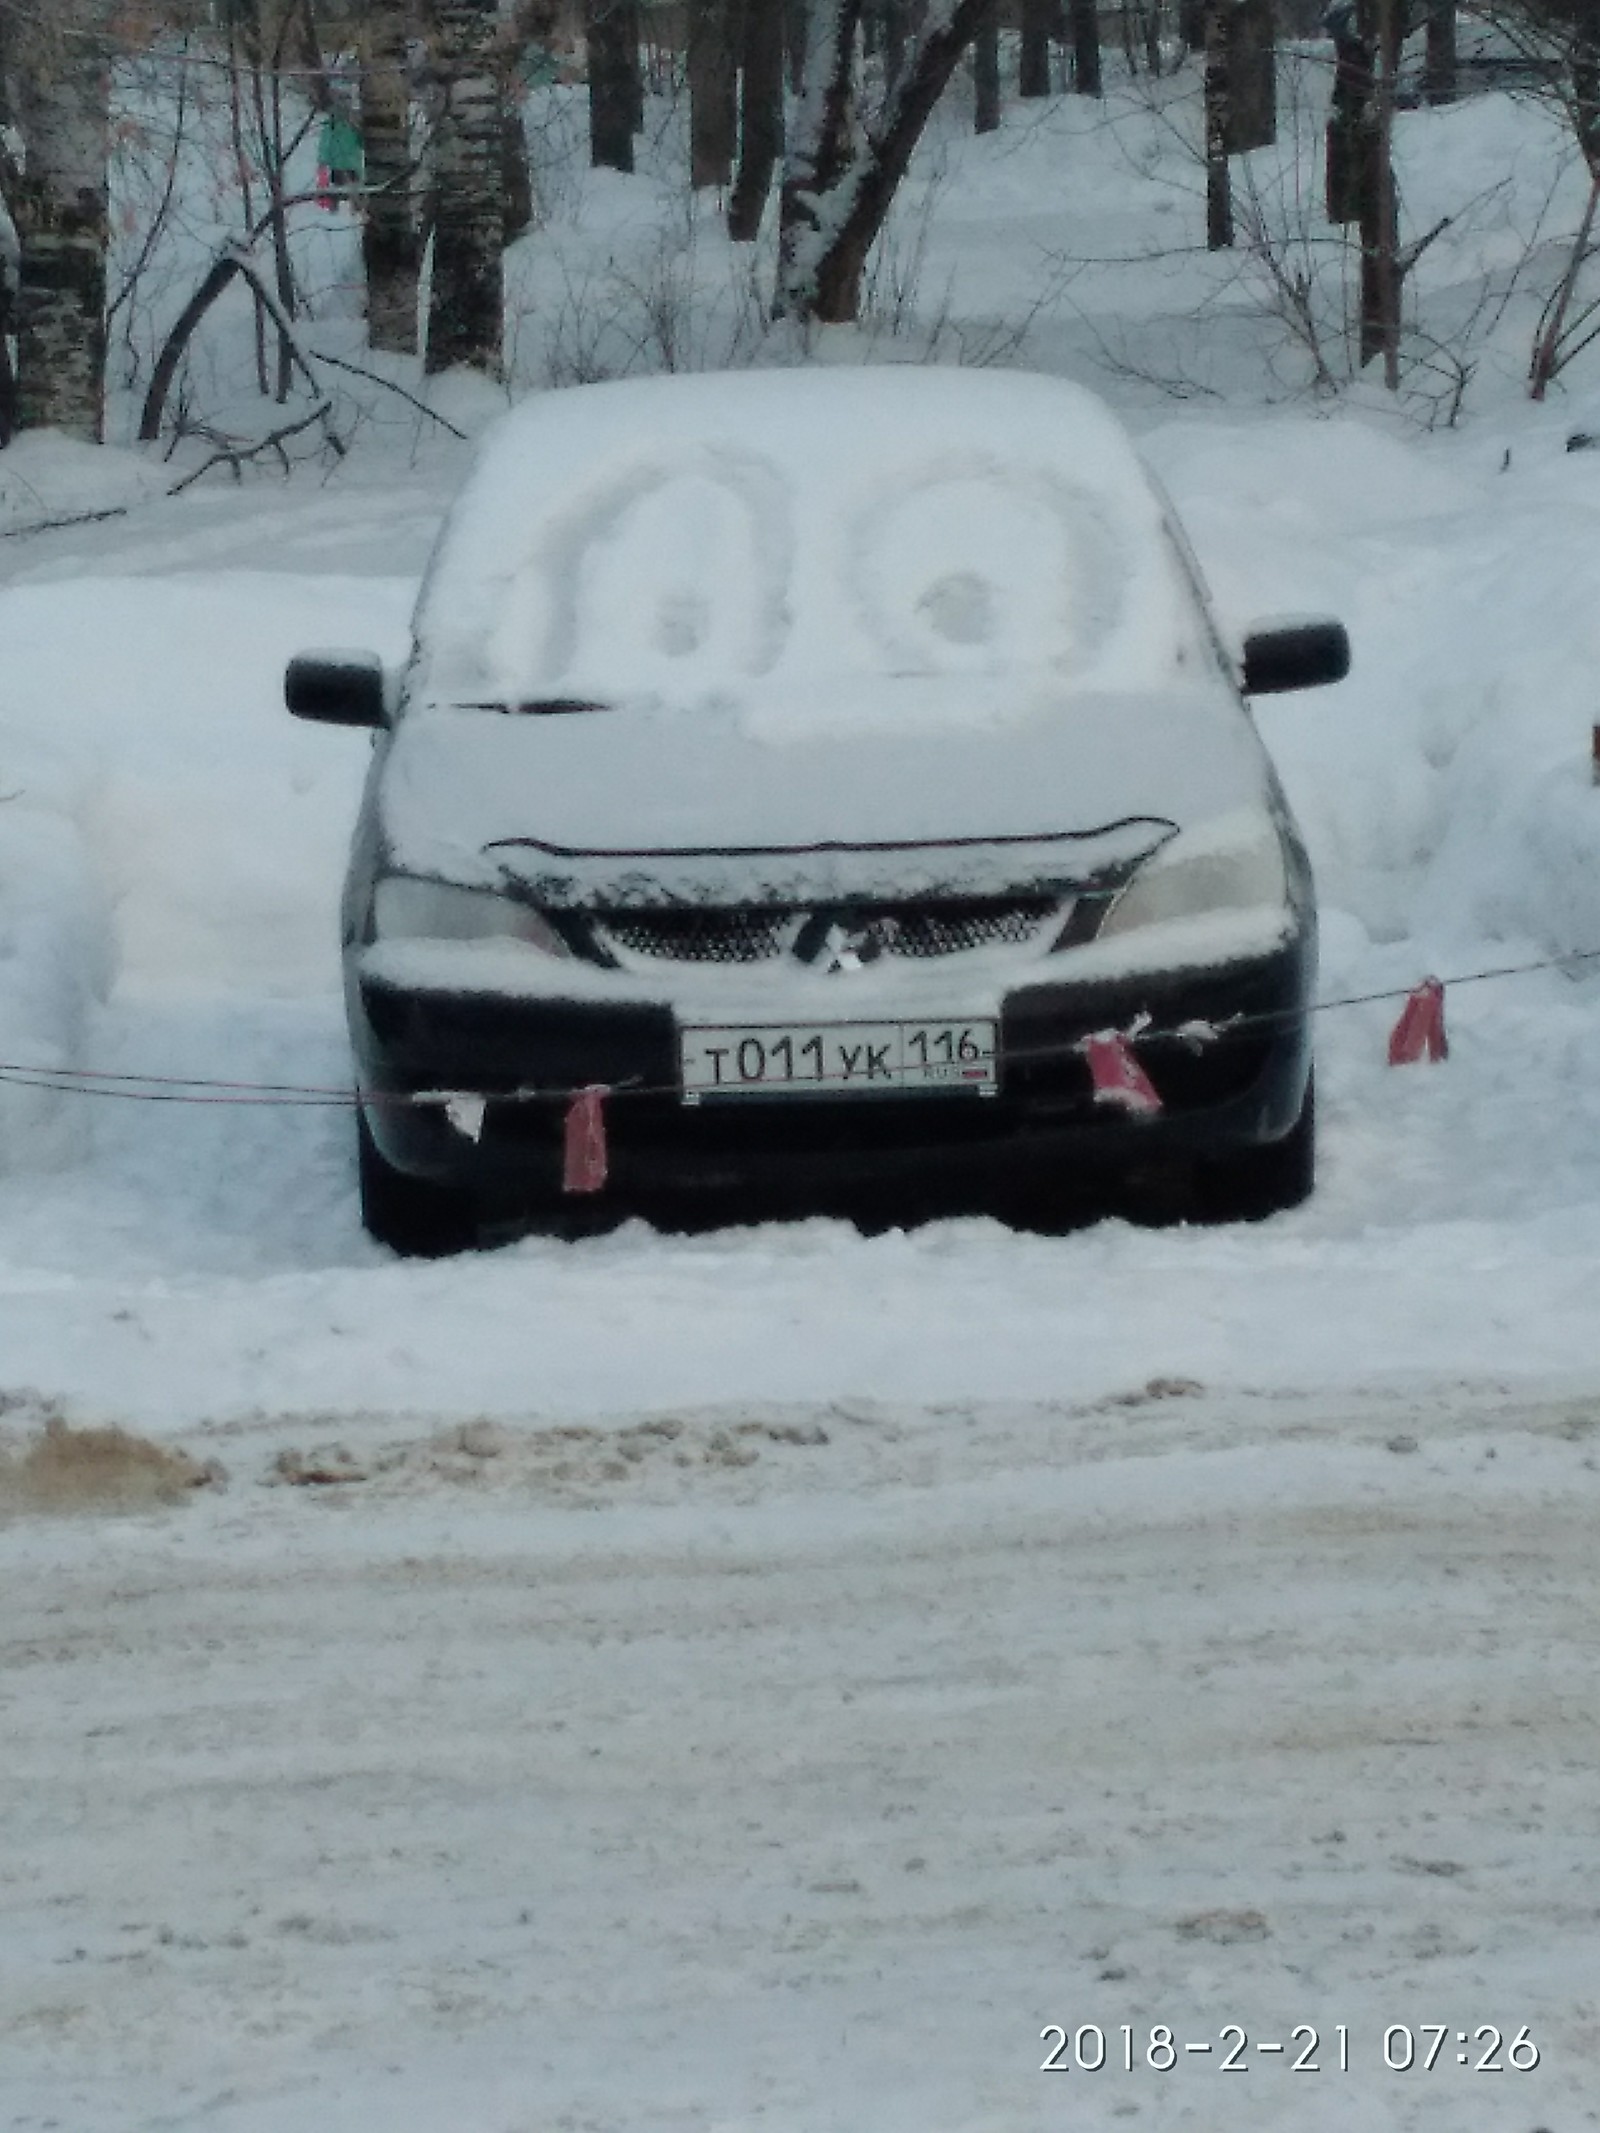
[979, 566]
[673, 571]
[683, 621]
[961, 607]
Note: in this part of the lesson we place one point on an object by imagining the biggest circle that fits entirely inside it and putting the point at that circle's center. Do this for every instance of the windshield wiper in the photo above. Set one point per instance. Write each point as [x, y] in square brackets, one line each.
[537, 707]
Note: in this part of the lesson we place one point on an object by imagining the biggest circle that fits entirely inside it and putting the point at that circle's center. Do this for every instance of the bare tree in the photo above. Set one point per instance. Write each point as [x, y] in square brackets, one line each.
[760, 117]
[1439, 79]
[391, 236]
[1084, 20]
[713, 90]
[10, 253]
[1559, 41]
[1033, 69]
[1360, 166]
[466, 312]
[1218, 89]
[611, 34]
[986, 75]
[840, 177]
[60, 71]
[1240, 100]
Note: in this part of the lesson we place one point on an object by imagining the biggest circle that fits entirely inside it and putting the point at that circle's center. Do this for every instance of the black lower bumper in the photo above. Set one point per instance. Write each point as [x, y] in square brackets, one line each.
[1239, 1088]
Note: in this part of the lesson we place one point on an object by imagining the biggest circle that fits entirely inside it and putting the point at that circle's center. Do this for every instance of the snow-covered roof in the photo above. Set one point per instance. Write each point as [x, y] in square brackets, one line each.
[784, 534]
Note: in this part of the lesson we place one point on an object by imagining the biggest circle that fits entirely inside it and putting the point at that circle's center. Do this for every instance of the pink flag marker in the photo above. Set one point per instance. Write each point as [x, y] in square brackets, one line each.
[1117, 1076]
[586, 1159]
[1419, 1033]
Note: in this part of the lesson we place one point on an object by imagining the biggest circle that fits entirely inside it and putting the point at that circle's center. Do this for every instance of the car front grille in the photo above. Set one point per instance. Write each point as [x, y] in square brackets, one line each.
[948, 929]
[700, 936]
[751, 934]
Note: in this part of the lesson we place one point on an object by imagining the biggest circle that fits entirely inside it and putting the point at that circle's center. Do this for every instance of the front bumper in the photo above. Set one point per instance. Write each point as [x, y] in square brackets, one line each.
[1243, 1088]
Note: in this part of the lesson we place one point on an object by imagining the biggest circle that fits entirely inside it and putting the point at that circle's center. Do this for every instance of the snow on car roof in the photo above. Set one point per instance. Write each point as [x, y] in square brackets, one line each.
[767, 539]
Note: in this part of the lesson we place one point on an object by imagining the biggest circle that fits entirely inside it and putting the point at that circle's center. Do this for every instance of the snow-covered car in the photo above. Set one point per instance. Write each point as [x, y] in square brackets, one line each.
[819, 780]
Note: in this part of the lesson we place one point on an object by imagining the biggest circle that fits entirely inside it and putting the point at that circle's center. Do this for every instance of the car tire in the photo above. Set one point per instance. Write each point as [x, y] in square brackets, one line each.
[413, 1216]
[1267, 1180]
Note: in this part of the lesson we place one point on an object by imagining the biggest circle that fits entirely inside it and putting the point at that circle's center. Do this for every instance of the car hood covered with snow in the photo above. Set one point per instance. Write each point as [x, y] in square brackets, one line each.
[898, 629]
[626, 805]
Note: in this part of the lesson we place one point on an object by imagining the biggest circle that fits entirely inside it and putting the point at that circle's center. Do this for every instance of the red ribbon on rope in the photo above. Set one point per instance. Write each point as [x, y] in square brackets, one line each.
[586, 1159]
[1419, 1033]
[1117, 1076]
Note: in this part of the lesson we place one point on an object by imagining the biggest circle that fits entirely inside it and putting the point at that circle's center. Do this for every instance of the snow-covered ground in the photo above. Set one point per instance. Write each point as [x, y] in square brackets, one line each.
[769, 1676]
[796, 1766]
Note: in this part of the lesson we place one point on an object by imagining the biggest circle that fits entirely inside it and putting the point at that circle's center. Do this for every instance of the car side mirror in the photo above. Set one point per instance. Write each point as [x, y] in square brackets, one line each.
[337, 688]
[1295, 655]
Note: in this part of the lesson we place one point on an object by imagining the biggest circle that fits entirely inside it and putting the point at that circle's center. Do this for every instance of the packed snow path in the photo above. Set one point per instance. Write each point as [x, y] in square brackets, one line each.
[798, 1767]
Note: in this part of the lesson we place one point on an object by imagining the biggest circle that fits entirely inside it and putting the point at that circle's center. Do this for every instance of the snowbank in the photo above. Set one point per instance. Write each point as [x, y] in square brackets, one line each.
[55, 948]
[46, 477]
[1445, 788]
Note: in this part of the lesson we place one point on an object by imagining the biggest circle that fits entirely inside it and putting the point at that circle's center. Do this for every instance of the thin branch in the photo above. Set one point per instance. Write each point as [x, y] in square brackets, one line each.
[236, 456]
[54, 525]
[359, 371]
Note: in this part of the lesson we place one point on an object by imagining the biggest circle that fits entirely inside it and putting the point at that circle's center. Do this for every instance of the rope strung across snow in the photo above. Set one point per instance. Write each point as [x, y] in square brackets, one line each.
[1419, 1033]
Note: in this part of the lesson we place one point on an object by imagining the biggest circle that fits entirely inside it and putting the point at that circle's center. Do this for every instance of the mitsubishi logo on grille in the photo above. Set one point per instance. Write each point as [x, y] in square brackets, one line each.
[848, 947]
[833, 944]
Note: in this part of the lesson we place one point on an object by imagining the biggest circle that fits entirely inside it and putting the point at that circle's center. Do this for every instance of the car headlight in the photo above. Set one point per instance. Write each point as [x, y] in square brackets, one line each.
[1203, 873]
[405, 907]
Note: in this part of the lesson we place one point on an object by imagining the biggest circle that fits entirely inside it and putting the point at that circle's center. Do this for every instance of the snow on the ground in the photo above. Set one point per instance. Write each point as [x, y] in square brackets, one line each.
[789, 1767]
[768, 1676]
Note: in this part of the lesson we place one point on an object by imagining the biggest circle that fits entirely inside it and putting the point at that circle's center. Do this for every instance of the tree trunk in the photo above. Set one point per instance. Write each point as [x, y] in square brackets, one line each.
[836, 195]
[820, 155]
[632, 42]
[1547, 348]
[1439, 71]
[796, 34]
[986, 75]
[516, 178]
[1033, 70]
[888, 18]
[8, 323]
[8, 191]
[1084, 19]
[1380, 220]
[60, 207]
[760, 117]
[1350, 115]
[612, 35]
[1252, 76]
[302, 30]
[391, 240]
[713, 91]
[1151, 28]
[1219, 185]
[1583, 65]
[466, 314]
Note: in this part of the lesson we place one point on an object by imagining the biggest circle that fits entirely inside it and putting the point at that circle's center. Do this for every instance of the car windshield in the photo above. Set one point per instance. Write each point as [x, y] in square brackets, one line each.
[903, 549]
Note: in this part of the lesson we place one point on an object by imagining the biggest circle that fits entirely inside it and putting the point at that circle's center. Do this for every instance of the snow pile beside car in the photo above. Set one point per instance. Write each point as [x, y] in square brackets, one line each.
[55, 951]
[1446, 790]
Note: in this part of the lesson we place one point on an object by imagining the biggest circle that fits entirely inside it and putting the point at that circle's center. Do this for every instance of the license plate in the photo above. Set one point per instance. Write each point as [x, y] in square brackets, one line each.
[839, 1059]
